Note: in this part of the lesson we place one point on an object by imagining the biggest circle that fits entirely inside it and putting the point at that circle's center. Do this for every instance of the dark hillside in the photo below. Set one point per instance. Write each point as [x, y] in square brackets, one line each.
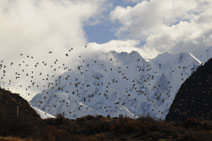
[16, 115]
[11, 103]
[194, 98]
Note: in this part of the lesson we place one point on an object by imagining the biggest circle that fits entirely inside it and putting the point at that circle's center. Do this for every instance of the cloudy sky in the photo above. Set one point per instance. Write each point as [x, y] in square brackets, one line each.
[148, 26]
[151, 27]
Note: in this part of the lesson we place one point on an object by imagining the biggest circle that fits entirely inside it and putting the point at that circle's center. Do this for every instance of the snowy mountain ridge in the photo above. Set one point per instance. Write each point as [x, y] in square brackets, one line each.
[118, 84]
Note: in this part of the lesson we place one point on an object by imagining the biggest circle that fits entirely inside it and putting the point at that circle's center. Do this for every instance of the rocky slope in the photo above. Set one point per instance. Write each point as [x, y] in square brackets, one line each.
[195, 96]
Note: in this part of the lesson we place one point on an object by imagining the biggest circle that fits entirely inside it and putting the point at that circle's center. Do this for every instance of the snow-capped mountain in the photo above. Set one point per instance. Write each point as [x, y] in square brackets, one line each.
[118, 84]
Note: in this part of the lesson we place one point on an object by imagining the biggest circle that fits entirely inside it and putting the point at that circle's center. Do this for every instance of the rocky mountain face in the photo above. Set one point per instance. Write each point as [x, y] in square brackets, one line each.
[194, 97]
[118, 84]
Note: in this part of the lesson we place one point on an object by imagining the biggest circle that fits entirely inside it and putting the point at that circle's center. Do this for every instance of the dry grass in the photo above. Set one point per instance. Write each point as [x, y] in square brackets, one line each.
[103, 128]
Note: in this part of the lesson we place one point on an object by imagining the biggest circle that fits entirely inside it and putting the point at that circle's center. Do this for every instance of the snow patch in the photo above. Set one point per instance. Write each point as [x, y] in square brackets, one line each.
[195, 58]
[42, 114]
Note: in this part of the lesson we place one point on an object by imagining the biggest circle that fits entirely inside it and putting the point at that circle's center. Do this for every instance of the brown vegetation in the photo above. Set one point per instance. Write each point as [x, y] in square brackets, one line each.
[104, 128]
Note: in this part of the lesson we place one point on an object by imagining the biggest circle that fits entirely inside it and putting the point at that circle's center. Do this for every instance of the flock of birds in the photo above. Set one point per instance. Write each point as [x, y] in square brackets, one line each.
[49, 78]
[30, 69]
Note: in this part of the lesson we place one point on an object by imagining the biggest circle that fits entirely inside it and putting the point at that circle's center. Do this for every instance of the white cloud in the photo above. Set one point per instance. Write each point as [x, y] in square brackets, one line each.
[166, 25]
[35, 27]
[123, 46]
[45, 24]
[116, 45]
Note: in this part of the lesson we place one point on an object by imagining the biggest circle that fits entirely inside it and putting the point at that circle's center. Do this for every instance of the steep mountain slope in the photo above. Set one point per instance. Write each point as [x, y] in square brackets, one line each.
[195, 96]
[118, 83]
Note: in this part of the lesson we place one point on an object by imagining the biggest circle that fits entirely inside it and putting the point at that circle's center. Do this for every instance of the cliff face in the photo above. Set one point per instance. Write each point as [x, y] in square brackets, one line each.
[13, 106]
[194, 98]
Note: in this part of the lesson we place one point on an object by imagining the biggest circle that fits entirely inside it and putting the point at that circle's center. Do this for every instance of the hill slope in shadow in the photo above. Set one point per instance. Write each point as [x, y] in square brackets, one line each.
[194, 98]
